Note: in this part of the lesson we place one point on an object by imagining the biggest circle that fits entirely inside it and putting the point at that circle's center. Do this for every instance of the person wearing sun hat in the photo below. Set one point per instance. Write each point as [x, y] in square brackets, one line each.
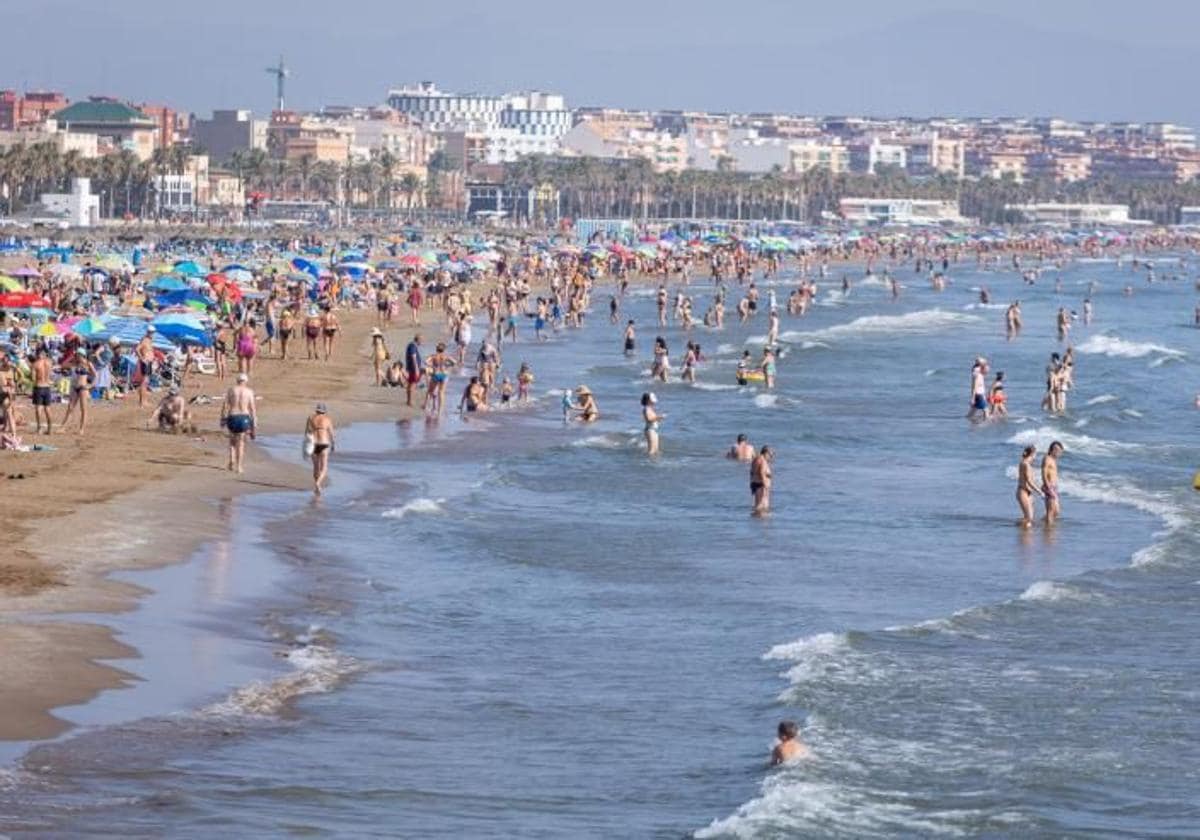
[586, 406]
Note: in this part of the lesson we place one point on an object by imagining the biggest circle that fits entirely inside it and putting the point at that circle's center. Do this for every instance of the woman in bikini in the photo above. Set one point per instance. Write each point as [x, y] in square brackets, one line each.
[1026, 486]
[379, 353]
[652, 419]
[312, 332]
[439, 365]
[287, 328]
[83, 373]
[329, 331]
[220, 349]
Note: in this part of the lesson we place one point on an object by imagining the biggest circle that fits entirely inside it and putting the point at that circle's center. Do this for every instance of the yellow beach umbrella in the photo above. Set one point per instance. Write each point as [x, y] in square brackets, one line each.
[9, 284]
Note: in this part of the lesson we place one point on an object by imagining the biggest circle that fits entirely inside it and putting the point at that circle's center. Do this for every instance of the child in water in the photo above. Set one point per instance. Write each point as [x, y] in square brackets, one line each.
[524, 380]
[506, 391]
[568, 405]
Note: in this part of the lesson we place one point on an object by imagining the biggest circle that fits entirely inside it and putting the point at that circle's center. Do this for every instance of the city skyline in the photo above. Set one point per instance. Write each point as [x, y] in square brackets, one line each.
[929, 59]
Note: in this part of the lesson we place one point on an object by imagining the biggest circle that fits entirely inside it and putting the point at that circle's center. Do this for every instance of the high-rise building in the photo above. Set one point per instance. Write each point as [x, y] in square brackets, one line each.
[229, 131]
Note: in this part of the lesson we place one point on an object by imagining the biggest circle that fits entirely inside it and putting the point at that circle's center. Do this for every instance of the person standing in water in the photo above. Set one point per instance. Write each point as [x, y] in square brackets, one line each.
[652, 419]
[630, 338]
[320, 428]
[1026, 487]
[761, 480]
[1050, 483]
[978, 389]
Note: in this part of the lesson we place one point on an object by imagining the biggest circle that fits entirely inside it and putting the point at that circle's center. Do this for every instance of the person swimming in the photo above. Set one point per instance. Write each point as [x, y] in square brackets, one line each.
[789, 747]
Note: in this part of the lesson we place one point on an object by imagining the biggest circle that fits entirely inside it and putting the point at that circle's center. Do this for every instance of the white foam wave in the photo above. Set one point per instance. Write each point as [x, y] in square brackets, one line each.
[600, 442]
[1102, 399]
[713, 386]
[922, 321]
[1094, 488]
[766, 400]
[318, 670]
[1043, 436]
[416, 506]
[726, 349]
[1049, 591]
[812, 345]
[1119, 348]
[820, 643]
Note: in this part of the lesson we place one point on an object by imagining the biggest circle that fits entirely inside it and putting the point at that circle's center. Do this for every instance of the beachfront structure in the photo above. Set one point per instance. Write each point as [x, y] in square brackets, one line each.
[529, 113]
[117, 125]
[868, 156]
[298, 137]
[29, 109]
[438, 110]
[664, 151]
[77, 208]
[496, 145]
[84, 145]
[229, 131]
[901, 211]
[1054, 213]
[1189, 215]
[830, 155]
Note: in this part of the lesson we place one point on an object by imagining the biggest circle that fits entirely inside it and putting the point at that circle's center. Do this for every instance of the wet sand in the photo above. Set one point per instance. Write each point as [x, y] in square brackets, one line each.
[126, 497]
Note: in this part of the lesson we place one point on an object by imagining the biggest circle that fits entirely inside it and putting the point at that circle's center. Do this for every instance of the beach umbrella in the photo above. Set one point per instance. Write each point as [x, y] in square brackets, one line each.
[22, 300]
[307, 266]
[47, 330]
[129, 331]
[88, 327]
[235, 267]
[183, 328]
[25, 271]
[410, 260]
[188, 268]
[239, 275]
[8, 284]
[167, 283]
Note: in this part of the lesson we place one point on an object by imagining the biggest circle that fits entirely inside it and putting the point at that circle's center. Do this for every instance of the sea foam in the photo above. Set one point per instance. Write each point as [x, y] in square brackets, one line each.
[416, 506]
[922, 321]
[1120, 348]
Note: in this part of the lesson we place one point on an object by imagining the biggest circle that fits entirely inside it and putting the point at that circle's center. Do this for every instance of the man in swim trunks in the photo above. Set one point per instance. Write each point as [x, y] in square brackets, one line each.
[145, 358]
[1050, 482]
[414, 366]
[320, 427]
[240, 416]
[42, 389]
[761, 480]
[978, 389]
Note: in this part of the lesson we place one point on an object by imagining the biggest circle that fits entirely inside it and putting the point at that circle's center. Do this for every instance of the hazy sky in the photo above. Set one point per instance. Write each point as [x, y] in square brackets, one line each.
[1086, 60]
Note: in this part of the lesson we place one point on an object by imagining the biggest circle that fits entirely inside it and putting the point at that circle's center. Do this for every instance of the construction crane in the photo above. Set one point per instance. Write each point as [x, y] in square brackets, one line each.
[280, 72]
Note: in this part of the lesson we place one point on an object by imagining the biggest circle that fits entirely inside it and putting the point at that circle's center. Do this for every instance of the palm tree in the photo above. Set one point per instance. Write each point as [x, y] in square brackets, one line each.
[410, 185]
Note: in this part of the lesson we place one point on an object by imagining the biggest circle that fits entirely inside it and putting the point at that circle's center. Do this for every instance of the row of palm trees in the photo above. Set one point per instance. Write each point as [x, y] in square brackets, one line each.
[369, 183]
[596, 188]
[127, 185]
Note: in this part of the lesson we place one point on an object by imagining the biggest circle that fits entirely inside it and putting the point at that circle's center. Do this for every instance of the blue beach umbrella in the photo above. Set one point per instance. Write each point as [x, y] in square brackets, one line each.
[188, 268]
[183, 328]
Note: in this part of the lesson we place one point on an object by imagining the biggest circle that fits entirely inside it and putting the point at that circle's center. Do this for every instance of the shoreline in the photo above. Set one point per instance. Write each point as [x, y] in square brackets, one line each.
[133, 499]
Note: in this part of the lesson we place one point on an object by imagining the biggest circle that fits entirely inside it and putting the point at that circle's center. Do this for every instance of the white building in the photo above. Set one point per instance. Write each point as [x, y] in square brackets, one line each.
[536, 114]
[869, 156]
[78, 208]
[1189, 215]
[175, 193]
[903, 211]
[530, 114]
[1052, 213]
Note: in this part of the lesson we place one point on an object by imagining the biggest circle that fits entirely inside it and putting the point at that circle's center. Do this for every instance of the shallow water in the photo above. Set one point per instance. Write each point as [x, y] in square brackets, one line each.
[513, 627]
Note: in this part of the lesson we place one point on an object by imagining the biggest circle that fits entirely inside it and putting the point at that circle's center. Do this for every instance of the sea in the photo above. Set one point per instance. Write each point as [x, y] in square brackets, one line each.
[511, 626]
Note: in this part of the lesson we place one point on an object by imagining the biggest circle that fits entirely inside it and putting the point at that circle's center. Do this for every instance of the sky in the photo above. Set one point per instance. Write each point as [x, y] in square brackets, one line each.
[1100, 60]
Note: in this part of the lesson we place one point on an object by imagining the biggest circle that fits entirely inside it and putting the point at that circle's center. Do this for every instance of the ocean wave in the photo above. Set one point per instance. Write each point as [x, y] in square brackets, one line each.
[1120, 348]
[318, 670]
[922, 321]
[713, 386]
[1049, 591]
[612, 440]
[766, 400]
[421, 505]
[1102, 399]
[1042, 437]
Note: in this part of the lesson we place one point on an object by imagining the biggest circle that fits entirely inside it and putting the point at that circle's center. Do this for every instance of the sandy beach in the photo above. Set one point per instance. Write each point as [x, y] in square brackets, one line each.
[125, 497]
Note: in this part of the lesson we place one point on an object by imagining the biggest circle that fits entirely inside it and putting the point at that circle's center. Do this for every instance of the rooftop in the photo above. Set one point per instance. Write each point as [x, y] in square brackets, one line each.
[102, 111]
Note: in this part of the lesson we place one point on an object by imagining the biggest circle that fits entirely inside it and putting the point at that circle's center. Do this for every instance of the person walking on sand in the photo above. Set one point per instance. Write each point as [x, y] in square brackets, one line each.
[245, 345]
[320, 428]
[42, 389]
[652, 419]
[239, 415]
[761, 480]
[83, 374]
[414, 367]
[379, 354]
[1050, 483]
[1026, 487]
[145, 359]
